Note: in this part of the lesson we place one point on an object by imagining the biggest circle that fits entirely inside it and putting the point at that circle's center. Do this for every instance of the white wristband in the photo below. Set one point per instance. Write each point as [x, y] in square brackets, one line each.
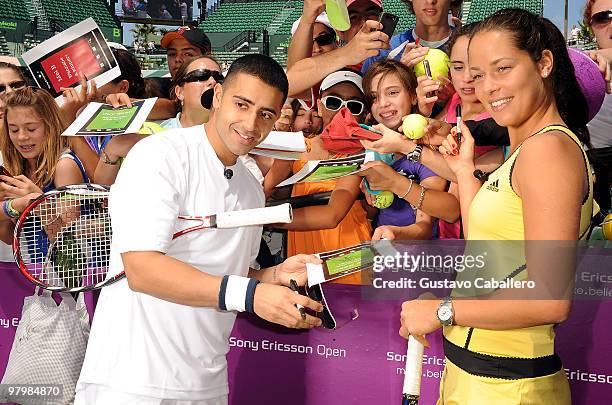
[235, 293]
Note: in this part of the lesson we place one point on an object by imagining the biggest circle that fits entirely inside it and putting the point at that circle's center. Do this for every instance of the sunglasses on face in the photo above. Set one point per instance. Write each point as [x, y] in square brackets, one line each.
[325, 39]
[333, 103]
[601, 18]
[202, 75]
[18, 84]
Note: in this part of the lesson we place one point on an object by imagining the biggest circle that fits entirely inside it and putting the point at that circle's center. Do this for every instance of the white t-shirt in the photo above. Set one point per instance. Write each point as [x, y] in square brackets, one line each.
[600, 127]
[143, 345]
[249, 162]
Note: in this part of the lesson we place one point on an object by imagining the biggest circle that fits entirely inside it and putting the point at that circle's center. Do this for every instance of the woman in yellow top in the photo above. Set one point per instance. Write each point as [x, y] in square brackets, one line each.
[500, 351]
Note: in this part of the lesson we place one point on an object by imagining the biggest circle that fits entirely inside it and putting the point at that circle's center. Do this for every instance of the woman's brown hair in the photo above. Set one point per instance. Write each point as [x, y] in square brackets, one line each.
[43, 105]
[387, 67]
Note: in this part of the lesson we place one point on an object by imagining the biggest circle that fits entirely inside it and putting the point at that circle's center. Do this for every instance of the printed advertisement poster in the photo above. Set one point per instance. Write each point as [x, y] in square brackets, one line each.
[58, 61]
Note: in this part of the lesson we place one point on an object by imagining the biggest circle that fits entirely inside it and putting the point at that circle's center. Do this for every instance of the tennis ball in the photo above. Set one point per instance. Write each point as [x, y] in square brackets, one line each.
[149, 128]
[414, 125]
[383, 200]
[606, 227]
[439, 64]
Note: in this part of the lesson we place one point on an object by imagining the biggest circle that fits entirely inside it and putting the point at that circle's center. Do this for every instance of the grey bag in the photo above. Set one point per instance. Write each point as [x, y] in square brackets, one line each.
[48, 349]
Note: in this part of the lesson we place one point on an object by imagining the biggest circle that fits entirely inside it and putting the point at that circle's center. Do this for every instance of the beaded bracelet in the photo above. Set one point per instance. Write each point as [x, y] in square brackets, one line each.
[421, 198]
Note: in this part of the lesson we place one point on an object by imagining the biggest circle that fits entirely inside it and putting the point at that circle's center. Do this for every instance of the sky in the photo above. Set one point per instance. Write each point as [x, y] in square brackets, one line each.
[555, 11]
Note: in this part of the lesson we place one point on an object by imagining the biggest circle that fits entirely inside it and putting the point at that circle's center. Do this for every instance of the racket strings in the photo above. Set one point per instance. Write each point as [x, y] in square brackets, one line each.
[65, 243]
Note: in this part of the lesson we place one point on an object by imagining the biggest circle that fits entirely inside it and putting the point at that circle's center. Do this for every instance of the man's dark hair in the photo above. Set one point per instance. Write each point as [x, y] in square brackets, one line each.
[262, 67]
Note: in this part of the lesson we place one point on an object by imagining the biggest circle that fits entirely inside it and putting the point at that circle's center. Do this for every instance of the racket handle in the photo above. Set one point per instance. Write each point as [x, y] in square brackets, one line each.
[412, 373]
[257, 216]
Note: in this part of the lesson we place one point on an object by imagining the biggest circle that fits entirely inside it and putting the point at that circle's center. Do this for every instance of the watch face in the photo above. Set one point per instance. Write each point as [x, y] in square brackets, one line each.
[444, 313]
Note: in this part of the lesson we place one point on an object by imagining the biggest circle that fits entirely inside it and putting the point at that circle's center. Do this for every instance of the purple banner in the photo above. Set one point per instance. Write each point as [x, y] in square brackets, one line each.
[363, 362]
[360, 363]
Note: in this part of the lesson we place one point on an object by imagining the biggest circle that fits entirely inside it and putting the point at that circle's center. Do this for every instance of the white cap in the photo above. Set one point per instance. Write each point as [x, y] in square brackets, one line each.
[321, 18]
[342, 76]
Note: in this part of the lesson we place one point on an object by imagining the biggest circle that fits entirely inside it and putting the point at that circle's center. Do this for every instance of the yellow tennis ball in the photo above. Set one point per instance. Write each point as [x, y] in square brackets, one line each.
[606, 227]
[414, 125]
[383, 200]
[439, 64]
[149, 128]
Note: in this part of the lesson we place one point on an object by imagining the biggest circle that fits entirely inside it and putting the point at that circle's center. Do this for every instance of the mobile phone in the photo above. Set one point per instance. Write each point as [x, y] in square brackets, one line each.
[389, 22]
[5, 172]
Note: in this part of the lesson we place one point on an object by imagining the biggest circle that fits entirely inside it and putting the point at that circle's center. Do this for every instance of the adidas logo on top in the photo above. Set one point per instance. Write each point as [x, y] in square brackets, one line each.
[494, 186]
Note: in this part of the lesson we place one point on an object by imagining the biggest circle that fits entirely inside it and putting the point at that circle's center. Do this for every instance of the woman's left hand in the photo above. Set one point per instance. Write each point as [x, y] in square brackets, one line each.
[18, 186]
[418, 317]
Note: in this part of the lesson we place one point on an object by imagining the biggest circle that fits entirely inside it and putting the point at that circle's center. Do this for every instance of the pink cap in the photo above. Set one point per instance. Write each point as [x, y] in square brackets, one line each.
[377, 2]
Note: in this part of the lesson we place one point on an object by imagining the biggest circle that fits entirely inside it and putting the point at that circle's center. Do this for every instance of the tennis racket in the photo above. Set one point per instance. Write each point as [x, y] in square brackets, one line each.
[62, 240]
[412, 373]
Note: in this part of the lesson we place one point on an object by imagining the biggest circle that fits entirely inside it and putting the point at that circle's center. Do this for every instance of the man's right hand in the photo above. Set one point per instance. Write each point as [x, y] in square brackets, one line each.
[276, 304]
[368, 41]
[119, 100]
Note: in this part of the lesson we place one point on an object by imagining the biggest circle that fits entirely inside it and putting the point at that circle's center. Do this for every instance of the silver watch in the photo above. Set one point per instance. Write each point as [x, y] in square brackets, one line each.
[415, 155]
[445, 312]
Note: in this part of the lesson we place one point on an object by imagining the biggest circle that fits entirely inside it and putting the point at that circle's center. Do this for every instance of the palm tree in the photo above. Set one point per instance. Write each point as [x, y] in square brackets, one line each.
[143, 31]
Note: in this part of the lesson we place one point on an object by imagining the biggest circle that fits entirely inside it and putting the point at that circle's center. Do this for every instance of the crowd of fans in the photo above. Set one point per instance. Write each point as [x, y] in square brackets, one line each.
[355, 76]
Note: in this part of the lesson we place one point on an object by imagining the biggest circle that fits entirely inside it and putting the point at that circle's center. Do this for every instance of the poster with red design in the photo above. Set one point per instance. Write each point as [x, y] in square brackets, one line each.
[59, 61]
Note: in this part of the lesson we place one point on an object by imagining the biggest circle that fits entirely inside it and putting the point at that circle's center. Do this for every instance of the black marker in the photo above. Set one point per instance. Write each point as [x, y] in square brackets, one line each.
[293, 285]
[428, 73]
[459, 121]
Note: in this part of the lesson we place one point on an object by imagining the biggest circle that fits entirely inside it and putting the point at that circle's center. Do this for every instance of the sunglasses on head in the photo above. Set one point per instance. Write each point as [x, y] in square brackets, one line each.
[17, 84]
[603, 17]
[325, 39]
[333, 103]
[201, 75]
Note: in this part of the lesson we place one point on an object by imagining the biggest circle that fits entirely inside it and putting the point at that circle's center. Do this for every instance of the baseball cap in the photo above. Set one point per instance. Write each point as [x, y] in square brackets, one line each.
[342, 76]
[321, 18]
[377, 2]
[195, 36]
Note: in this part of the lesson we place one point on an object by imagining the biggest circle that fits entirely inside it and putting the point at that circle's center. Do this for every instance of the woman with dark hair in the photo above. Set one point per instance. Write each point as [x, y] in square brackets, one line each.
[130, 80]
[501, 350]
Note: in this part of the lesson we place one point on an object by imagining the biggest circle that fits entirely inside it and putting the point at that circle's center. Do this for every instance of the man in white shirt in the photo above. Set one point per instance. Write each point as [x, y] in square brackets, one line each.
[160, 338]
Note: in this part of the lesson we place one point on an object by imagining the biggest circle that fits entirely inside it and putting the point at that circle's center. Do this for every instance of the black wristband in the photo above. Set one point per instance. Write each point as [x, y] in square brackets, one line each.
[249, 300]
[222, 289]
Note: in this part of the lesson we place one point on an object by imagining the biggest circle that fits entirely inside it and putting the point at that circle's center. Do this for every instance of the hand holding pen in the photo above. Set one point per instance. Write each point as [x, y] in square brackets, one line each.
[459, 122]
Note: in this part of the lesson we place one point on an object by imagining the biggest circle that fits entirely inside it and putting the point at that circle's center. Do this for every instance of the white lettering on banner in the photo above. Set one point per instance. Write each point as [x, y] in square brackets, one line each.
[323, 350]
[9, 322]
[427, 360]
[579, 375]
[256, 345]
[426, 373]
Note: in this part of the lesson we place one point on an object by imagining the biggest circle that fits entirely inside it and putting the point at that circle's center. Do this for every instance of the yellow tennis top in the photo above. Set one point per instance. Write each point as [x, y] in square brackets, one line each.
[496, 214]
